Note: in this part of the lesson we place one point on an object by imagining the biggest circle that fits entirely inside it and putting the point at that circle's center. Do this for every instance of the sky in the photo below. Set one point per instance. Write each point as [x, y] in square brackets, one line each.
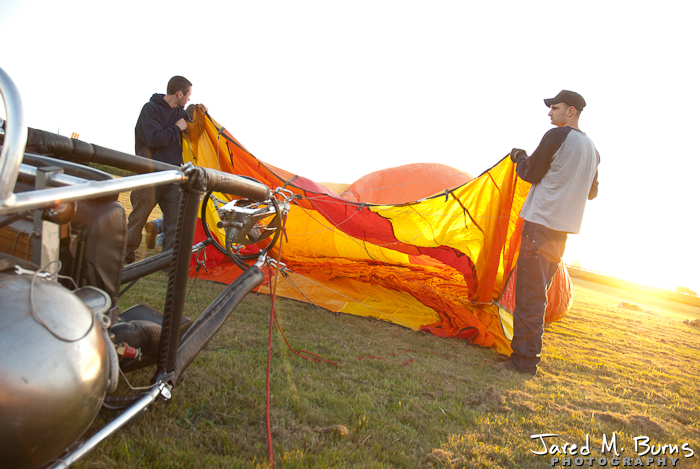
[334, 90]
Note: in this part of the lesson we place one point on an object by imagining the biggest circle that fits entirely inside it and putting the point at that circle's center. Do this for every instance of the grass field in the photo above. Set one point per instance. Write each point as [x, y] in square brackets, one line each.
[607, 372]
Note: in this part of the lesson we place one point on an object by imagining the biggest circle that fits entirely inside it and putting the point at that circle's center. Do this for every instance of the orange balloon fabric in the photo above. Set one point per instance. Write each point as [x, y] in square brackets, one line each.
[425, 246]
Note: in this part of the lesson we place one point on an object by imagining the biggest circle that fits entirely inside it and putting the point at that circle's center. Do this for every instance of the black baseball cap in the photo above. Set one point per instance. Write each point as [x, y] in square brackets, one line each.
[569, 97]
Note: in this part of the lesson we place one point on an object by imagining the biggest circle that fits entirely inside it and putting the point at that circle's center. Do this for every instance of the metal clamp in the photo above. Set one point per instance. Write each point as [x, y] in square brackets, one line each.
[273, 263]
[165, 391]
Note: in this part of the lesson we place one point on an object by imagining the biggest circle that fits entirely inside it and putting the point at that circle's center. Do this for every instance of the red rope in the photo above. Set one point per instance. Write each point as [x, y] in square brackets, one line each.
[273, 294]
[318, 358]
[273, 317]
[312, 356]
[267, 388]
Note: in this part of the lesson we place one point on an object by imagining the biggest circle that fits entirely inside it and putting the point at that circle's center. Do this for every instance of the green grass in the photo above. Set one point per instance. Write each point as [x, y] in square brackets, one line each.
[605, 369]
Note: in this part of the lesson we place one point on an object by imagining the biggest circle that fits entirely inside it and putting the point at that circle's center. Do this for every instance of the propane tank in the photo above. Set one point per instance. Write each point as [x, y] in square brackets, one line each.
[54, 369]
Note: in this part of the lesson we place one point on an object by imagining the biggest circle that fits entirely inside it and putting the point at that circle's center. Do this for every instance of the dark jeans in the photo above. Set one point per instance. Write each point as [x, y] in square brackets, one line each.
[143, 201]
[541, 250]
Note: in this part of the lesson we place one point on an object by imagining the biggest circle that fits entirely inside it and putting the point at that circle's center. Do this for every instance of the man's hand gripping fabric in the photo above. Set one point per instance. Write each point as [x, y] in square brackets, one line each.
[515, 153]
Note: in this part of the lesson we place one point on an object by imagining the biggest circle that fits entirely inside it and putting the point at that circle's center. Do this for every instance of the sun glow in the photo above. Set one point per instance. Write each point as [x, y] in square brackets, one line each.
[632, 263]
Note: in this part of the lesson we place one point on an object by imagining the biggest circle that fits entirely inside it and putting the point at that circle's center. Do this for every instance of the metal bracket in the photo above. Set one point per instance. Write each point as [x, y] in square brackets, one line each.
[165, 391]
[46, 242]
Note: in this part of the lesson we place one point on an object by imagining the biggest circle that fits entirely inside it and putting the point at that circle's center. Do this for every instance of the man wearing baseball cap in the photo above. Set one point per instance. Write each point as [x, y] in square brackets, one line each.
[563, 171]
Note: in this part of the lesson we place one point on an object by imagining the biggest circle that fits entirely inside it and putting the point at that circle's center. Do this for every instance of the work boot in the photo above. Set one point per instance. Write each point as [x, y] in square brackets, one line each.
[513, 367]
[151, 235]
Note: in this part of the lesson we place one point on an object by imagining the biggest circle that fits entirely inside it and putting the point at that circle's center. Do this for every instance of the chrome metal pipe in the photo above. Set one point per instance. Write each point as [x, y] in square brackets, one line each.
[123, 418]
[28, 172]
[15, 138]
[44, 198]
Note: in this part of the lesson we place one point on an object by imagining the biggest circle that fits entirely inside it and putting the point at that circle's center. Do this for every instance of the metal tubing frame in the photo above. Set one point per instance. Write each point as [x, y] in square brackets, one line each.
[15, 138]
[127, 415]
[189, 347]
[178, 277]
[154, 263]
[33, 200]
[78, 170]
[74, 189]
[210, 321]
[28, 173]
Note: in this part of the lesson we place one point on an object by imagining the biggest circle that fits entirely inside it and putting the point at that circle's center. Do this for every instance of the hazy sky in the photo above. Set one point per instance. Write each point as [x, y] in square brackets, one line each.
[334, 90]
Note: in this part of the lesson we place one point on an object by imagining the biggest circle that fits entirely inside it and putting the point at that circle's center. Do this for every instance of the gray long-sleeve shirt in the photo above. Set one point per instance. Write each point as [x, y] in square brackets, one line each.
[564, 174]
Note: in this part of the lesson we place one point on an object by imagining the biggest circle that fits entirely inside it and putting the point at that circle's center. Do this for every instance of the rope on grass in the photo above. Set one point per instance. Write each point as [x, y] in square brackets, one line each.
[273, 321]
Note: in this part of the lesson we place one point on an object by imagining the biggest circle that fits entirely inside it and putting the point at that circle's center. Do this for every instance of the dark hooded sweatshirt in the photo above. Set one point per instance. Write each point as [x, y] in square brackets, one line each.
[157, 136]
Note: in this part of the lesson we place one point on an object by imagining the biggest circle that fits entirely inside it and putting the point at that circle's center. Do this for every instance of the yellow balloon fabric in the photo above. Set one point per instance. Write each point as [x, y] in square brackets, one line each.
[424, 246]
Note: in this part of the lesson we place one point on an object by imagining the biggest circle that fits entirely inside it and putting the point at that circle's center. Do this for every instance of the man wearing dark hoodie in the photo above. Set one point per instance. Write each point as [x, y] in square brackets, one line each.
[158, 134]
